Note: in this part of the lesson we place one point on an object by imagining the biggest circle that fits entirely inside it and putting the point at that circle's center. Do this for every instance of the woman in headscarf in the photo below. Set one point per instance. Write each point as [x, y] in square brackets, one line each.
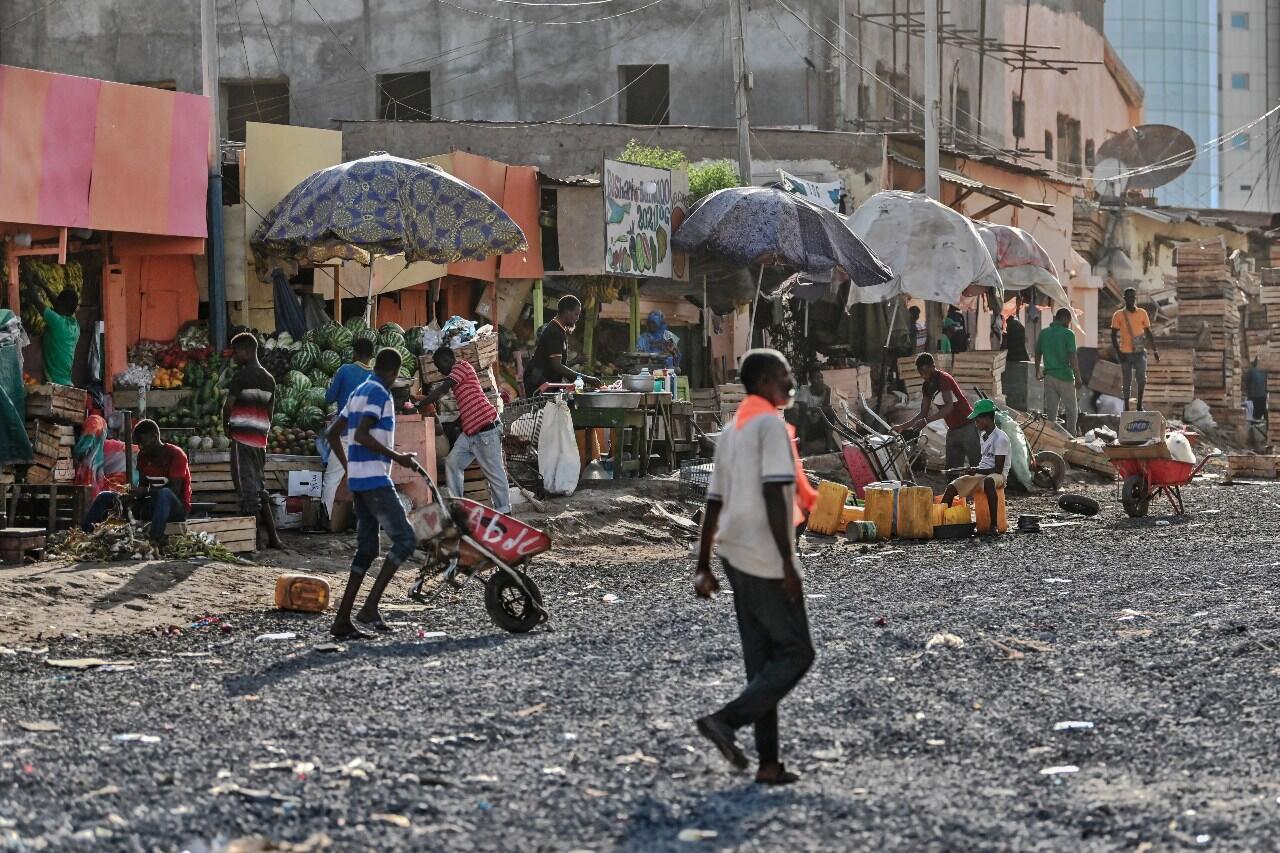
[100, 461]
[657, 339]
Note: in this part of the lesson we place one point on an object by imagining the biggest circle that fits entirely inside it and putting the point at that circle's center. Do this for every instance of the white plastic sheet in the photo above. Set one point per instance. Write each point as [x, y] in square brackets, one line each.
[1022, 262]
[936, 253]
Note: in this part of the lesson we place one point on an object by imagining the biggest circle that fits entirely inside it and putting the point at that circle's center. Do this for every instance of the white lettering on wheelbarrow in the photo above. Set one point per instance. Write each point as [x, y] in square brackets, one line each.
[491, 532]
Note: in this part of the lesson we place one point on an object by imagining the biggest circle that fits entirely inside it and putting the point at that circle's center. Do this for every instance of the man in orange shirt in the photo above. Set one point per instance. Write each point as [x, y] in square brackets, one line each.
[1130, 335]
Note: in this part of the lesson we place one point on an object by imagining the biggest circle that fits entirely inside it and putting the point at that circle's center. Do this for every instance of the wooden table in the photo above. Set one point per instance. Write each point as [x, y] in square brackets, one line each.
[635, 417]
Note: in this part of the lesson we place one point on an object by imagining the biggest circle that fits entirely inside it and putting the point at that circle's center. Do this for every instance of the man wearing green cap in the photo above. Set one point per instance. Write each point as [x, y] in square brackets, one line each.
[993, 466]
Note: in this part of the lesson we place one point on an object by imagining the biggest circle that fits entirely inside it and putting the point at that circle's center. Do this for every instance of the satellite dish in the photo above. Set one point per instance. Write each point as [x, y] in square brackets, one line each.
[1109, 178]
[1169, 149]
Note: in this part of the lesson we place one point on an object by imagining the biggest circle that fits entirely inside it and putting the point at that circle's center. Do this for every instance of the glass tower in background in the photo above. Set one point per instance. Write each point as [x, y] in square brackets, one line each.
[1172, 48]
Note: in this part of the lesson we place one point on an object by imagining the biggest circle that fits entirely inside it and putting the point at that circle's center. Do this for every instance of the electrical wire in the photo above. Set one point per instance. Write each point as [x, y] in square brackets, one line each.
[248, 69]
[270, 41]
[30, 15]
[648, 5]
[337, 38]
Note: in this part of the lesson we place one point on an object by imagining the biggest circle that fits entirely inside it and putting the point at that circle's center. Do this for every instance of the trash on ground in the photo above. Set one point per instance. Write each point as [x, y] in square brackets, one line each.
[531, 710]
[86, 663]
[282, 635]
[1072, 726]
[1059, 770]
[944, 639]
[692, 835]
[393, 819]
[133, 737]
[39, 726]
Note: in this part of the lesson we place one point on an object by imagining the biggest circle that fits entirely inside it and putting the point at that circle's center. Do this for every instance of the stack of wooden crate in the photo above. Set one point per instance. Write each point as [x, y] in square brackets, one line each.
[730, 397]
[1269, 360]
[52, 413]
[1247, 466]
[447, 404]
[239, 535]
[1209, 304]
[211, 477]
[51, 446]
[1171, 381]
[980, 369]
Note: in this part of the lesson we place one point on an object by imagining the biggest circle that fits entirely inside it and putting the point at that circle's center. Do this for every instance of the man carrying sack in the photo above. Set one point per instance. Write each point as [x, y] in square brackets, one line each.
[1130, 335]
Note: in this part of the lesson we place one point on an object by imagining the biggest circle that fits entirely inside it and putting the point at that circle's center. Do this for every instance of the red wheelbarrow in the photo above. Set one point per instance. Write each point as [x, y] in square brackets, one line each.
[1149, 470]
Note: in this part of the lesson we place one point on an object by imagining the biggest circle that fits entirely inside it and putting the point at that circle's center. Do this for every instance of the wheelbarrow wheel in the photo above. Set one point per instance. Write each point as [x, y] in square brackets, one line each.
[510, 608]
[1134, 496]
[1050, 470]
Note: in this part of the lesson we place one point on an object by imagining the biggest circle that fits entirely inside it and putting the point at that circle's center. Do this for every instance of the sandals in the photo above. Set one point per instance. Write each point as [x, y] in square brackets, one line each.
[722, 736]
[375, 624]
[352, 634]
[782, 777]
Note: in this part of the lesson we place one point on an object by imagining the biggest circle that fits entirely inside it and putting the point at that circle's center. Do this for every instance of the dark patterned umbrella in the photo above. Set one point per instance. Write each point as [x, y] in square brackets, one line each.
[762, 225]
[384, 205]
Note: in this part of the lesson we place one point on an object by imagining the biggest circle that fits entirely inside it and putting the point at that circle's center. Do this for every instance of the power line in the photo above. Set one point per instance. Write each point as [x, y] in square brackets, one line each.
[337, 37]
[248, 68]
[270, 41]
[648, 5]
[30, 15]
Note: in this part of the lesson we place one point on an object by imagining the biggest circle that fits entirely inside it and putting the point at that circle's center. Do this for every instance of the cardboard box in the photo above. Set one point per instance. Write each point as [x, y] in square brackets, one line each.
[1140, 427]
[1107, 379]
[305, 483]
[288, 511]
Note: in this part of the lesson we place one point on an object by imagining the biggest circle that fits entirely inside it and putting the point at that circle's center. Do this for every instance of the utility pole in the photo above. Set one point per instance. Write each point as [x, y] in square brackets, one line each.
[215, 243]
[932, 101]
[738, 36]
[842, 69]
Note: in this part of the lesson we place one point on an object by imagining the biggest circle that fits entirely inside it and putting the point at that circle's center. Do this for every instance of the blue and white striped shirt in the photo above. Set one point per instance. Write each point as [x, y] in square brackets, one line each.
[367, 470]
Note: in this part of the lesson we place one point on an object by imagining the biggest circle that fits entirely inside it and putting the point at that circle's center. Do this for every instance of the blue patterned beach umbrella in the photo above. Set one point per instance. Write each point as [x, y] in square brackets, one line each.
[384, 205]
[763, 225]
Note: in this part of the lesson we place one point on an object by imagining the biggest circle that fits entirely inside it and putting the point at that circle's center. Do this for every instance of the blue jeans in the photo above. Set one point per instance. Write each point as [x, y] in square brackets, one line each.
[162, 507]
[486, 448]
[380, 509]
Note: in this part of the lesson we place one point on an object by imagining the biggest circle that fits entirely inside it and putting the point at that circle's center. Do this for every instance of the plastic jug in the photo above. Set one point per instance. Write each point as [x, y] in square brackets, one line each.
[306, 593]
[915, 512]
[881, 506]
[826, 516]
[983, 512]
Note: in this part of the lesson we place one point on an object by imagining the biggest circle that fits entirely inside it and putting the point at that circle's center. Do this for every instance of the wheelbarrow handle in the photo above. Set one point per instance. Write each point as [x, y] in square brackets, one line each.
[1205, 461]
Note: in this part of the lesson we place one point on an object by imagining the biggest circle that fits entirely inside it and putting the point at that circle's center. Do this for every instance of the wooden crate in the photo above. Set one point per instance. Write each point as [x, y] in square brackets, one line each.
[238, 534]
[1247, 466]
[1107, 378]
[56, 403]
[474, 485]
[730, 396]
[852, 382]
[481, 352]
[18, 543]
[1081, 455]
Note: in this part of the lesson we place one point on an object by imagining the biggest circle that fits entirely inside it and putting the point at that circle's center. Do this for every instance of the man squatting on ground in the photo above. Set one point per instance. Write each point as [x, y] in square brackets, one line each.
[751, 513]
[369, 425]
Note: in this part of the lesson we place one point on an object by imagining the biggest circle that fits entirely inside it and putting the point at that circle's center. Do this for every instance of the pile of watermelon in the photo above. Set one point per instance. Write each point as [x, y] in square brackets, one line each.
[303, 368]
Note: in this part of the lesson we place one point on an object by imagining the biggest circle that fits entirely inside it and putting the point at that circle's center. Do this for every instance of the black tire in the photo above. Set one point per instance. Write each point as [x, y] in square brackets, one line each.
[1134, 496]
[508, 606]
[1080, 505]
[1051, 470]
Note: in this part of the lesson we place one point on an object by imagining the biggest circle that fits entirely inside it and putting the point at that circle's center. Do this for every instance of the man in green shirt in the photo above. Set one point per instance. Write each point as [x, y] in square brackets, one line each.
[1056, 348]
[62, 332]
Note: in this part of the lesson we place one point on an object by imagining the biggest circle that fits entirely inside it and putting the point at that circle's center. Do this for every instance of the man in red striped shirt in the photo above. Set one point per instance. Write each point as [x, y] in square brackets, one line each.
[481, 437]
[246, 417]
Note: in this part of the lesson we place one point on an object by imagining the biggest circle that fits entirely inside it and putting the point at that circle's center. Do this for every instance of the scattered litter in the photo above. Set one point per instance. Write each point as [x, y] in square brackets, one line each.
[330, 648]
[695, 835]
[86, 663]
[38, 726]
[531, 710]
[636, 757]
[357, 768]
[610, 598]
[5, 650]
[1056, 580]
[594, 793]
[834, 753]
[1129, 614]
[105, 791]
[193, 654]
[933, 741]
[1202, 839]
[1059, 770]
[282, 635]
[1072, 726]
[430, 635]
[944, 639]
[1164, 522]
[1134, 632]
[393, 819]
[132, 737]
[569, 736]
[553, 771]
[251, 793]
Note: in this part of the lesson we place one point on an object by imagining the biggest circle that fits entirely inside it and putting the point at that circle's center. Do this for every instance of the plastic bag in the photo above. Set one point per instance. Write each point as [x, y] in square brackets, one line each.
[558, 460]
[1020, 467]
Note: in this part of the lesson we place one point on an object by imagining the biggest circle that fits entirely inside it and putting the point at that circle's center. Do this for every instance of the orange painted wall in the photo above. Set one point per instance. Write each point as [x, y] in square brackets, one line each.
[490, 177]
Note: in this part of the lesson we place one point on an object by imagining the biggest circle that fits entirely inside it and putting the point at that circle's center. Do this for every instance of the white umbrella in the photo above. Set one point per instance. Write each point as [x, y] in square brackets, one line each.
[935, 253]
[1022, 262]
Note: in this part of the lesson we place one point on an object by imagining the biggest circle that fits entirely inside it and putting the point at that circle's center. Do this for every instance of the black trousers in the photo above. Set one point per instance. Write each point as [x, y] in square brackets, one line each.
[777, 651]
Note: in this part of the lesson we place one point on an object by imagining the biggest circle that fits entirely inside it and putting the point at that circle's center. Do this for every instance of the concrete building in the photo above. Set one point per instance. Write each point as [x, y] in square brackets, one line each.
[317, 63]
[1209, 67]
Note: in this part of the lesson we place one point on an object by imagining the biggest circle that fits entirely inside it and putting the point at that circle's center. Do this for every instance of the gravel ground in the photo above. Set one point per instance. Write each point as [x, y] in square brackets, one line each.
[1164, 636]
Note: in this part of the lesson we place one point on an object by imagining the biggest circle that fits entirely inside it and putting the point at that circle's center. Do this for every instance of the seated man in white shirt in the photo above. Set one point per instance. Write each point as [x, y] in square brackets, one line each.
[993, 466]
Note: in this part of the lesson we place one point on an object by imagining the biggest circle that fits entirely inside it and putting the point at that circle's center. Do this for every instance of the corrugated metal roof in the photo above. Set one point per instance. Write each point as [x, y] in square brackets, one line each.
[976, 186]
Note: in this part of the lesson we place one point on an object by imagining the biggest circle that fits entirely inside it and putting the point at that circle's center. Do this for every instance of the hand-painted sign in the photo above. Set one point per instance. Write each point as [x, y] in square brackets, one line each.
[825, 194]
[637, 220]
